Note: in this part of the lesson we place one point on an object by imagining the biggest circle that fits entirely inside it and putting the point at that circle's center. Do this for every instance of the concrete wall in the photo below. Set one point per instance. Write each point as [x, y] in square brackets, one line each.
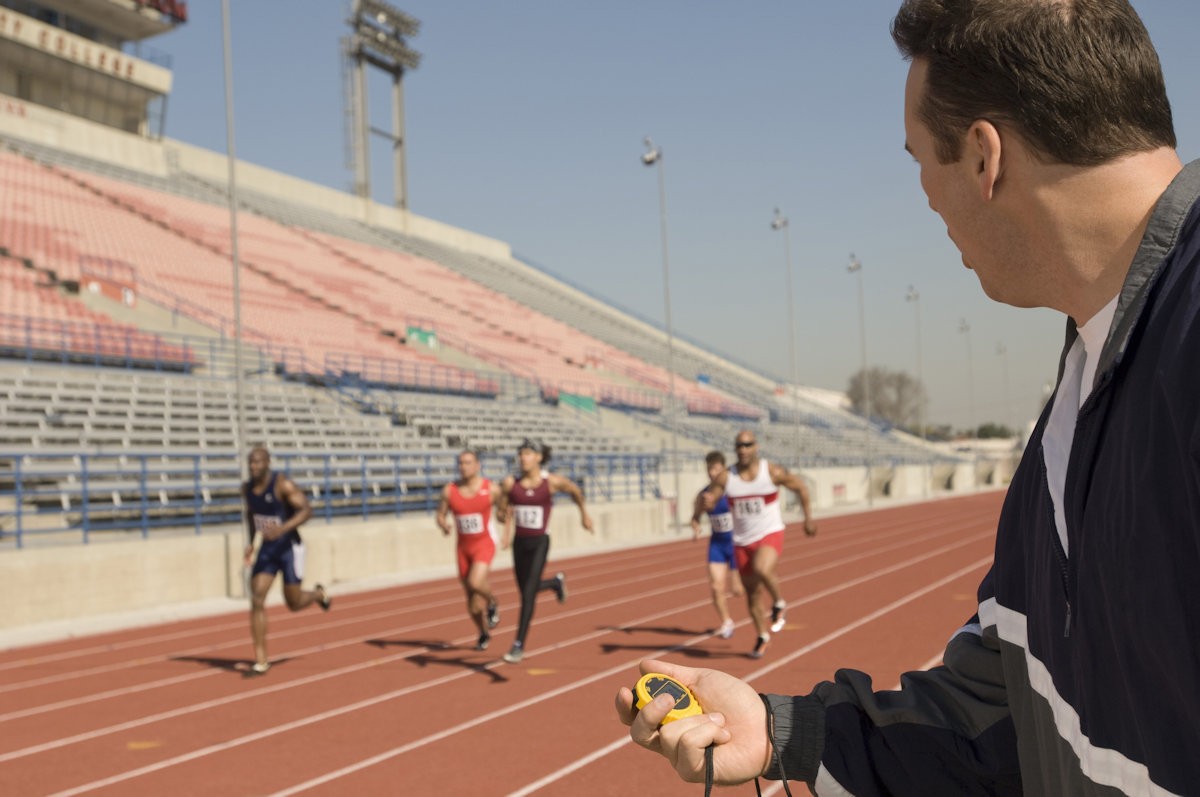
[52, 583]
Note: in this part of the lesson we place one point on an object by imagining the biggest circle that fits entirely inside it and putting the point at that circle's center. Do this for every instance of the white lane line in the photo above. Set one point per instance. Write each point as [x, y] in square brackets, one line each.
[501, 712]
[58, 743]
[378, 699]
[775, 788]
[116, 666]
[111, 647]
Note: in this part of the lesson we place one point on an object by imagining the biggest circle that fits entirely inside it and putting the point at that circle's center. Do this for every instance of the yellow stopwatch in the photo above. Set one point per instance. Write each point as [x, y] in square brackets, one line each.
[653, 684]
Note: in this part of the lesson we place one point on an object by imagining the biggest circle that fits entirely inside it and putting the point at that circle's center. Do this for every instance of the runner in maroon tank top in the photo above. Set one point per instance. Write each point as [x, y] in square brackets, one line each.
[525, 503]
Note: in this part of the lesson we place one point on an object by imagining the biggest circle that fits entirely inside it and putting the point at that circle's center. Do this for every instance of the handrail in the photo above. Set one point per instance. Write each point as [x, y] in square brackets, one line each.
[76, 495]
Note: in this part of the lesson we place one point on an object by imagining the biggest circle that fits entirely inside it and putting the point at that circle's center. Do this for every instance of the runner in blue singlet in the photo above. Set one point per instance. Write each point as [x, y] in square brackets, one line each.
[722, 569]
[275, 508]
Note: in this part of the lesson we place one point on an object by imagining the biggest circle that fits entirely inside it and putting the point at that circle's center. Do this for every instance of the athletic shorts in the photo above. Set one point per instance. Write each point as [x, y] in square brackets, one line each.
[474, 548]
[279, 555]
[745, 553]
[720, 548]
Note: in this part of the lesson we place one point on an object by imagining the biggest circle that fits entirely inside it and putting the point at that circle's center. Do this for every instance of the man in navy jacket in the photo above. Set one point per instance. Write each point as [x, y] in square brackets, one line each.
[1045, 143]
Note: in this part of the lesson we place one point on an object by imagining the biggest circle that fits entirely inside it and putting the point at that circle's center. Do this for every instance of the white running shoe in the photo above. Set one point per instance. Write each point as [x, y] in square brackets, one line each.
[777, 618]
[726, 629]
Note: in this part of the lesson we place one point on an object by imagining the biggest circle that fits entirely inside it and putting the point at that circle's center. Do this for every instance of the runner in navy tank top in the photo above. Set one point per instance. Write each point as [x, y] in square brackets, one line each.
[275, 508]
[526, 504]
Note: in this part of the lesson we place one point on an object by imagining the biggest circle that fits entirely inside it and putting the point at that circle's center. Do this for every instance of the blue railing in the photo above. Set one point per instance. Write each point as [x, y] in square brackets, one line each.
[74, 496]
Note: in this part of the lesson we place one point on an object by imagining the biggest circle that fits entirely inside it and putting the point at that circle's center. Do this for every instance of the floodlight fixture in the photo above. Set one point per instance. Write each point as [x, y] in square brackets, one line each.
[652, 154]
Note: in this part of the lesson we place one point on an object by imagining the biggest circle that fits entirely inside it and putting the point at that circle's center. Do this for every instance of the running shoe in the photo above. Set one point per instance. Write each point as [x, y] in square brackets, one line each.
[323, 599]
[260, 667]
[515, 654]
[726, 629]
[760, 647]
[484, 639]
[493, 615]
[561, 586]
[777, 618]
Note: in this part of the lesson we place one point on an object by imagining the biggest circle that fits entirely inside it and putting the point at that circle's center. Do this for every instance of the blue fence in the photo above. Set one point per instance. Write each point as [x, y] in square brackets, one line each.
[71, 497]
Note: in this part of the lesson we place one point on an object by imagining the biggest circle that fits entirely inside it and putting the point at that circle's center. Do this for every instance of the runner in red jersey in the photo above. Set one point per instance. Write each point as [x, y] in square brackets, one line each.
[526, 502]
[470, 500]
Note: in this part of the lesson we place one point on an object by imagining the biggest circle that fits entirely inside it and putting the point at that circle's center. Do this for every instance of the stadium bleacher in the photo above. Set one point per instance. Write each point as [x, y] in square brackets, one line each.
[377, 342]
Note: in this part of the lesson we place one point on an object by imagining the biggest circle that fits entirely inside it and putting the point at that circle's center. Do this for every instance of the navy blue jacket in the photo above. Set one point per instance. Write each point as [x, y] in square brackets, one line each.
[1079, 675]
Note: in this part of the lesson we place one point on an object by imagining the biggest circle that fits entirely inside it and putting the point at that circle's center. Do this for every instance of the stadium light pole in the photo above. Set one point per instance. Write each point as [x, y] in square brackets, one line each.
[239, 422]
[780, 222]
[915, 298]
[1002, 353]
[239, 425]
[651, 157]
[965, 329]
[855, 267]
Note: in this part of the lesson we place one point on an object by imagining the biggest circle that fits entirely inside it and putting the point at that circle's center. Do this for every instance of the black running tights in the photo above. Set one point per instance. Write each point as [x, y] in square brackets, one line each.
[529, 560]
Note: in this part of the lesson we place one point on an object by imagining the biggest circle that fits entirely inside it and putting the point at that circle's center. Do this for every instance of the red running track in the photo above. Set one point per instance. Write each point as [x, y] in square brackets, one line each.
[385, 695]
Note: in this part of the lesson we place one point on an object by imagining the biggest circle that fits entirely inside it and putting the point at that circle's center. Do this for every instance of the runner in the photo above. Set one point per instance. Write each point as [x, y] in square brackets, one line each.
[753, 492]
[722, 566]
[470, 500]
[275, 509]
[530, 497]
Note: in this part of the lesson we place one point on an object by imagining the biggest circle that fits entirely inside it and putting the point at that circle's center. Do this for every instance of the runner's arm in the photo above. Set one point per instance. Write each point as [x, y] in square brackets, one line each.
[298, 501]
[561, 484]
[793, 481]
[505, 516]
[443, 511]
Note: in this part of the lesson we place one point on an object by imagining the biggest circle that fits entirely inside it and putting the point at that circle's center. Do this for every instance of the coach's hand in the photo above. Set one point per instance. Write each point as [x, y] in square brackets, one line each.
[735, 720]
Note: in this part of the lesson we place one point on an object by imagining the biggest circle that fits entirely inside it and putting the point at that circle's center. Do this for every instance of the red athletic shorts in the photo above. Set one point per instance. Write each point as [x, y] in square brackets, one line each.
[474, 548]
[744, 554]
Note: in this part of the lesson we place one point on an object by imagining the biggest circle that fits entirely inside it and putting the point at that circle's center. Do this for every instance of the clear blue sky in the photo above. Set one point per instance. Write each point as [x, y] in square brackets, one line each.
[525, 122]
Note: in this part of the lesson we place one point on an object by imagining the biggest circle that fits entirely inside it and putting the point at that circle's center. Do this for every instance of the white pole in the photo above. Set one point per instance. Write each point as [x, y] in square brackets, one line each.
[654, 156]
[239, 433]
[854, 266]
[780, 222]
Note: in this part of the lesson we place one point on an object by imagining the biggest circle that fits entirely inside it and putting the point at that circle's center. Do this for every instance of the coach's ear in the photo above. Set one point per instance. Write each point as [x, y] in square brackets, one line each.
[984, 154]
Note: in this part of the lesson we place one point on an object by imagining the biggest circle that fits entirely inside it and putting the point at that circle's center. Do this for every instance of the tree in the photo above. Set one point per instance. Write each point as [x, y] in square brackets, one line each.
[896, 397]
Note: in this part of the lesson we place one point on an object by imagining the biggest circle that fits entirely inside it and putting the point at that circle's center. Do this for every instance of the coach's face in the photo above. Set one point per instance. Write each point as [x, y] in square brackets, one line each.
[975, 196]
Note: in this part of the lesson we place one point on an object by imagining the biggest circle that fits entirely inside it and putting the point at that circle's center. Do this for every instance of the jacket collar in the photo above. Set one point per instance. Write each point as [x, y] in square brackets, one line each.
[1162, 233]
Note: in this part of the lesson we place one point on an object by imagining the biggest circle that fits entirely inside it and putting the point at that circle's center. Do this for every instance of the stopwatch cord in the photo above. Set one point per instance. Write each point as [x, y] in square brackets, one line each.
[708, 769]
[708, 758]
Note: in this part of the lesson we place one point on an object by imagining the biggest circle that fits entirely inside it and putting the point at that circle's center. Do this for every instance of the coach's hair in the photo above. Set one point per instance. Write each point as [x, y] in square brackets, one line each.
[1078, 80]
[713, 457]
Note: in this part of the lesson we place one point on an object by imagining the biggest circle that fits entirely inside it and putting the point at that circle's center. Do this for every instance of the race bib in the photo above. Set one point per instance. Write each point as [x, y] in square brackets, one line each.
[721, 522]
[470, 524]
[748, 507]
[529, 517]
[264, 523]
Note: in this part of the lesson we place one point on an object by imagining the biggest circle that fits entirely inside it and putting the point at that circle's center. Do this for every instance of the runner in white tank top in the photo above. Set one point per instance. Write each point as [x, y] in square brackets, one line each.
[755, 505]
[752, 487]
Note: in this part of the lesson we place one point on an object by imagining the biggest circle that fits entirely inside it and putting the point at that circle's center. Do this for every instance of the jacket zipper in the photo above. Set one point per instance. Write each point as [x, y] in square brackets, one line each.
[1060, 555]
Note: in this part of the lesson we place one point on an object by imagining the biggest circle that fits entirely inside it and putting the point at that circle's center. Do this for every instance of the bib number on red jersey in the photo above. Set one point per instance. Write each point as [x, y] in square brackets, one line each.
[469, 524]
